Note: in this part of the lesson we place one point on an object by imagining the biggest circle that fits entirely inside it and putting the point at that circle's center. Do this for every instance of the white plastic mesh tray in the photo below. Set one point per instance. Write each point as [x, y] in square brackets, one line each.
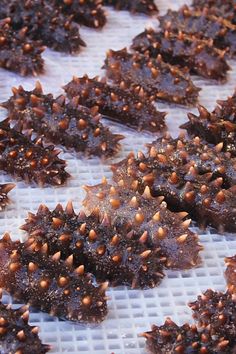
[130, 311]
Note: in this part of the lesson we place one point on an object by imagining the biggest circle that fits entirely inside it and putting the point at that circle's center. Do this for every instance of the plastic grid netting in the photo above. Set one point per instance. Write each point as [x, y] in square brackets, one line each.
[130, 311]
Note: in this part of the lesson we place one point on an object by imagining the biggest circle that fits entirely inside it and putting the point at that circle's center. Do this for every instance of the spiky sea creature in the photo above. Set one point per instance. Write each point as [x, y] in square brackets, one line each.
[230, 273]
[89, 13]
[150, 217]
[29, 159]
[222, 8]
[216, 127]
[4, 190]
[172, 339]
[191, 175]
[16, 335]
[50, 284]
[116, 254]
[18, 53]
[62, 122]
[158, 79]
[147, 7]
[184, 50]
[46, 23]
[203, 25]
[216, 311]
[117, 103]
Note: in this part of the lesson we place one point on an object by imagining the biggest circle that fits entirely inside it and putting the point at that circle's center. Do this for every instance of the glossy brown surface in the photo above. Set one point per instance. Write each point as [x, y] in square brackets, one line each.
[147, 7]
[117, 103]
[50, 284]
[215, 127]
[150, 218]
[159, 80]
[223, 8]
[230, 273]
[203, 25]
[62, 122]
[184, 50]
[191, 175]
[113, 253]
[4, 190]
[18, 53]
[28, 159]
[16, 335]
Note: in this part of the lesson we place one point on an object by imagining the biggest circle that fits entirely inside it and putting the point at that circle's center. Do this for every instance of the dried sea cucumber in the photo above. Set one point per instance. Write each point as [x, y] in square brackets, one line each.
[158, 79]
[4, 190]
[230, 273]
[190, 175]
[29, 159]
[46, 23]
[216, 127]
[89, 13]
[110, 253]
[216, 311]
[18, 53]
[222, 8]
[203, 25]
[172, 339]
[16, 335]
[62, 122]
[184, 50]
[147, 7]
[150, 218]
[117, 103]
[50, 284]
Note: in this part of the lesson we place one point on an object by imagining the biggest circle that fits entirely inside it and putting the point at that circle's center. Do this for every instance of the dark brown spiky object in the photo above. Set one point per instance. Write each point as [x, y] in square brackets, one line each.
[190, 175]
[117, 103]
[18, 53]
[158, 79]
[147, 7]
[202, 25]
[110, 253]
[150, 218]
[216, 311]
[4, 190]
[29, 159]
[223, 8]
[230, 273]
[89, 12]
[216, 127]
[184, 50]
[46, 23]
[50, 284]
[172, 339]
[16, 335]
[62, 122]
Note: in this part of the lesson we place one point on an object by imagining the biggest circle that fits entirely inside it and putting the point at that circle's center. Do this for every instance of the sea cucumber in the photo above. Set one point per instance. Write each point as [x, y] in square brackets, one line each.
[202, 25]
[89, 13]
[50, 284]
[110, 253]
[158, 79]
[16, 335]
[62, 122]
[172, 339]
[230, 273]
[4, 190]
[192, 177]
[150, 218]
[184, 50]
[222, 8]
[117, 103]
[18, 53]
[29, 159]
[217, 312]
[147, 7]
[216, 127]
